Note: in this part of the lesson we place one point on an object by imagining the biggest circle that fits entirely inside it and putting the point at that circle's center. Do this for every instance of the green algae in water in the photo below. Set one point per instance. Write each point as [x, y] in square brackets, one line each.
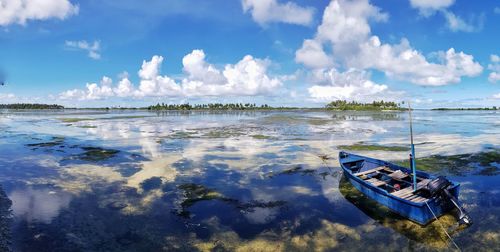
[73, 120]
[78, 119]
[223, 133]
[194, 193]
[87, 127]
[298, 169]
[54, 142]
[95, 154]
[372, 147]
[183, 135]
[263, 137]
[482, 163]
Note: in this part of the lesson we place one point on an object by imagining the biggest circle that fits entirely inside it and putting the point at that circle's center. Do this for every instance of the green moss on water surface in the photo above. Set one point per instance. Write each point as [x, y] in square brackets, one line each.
[371, 147]
[95, 154]
[183, 135]
[73, 120]
[293, 119]
[193, 193]
[262, 137]
[222, 133]
[53, 142]
[80, 119]
[483, 163]
[87, 127]
[297, 169]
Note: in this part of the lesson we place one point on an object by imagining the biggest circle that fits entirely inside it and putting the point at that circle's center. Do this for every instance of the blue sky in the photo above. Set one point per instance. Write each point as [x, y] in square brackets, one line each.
[294, 53]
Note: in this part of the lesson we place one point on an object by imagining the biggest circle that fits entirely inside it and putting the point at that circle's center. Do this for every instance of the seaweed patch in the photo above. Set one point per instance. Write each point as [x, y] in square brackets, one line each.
[482, 163]
[95, 154]
[193, 193]
[371, 147]
[55, 141]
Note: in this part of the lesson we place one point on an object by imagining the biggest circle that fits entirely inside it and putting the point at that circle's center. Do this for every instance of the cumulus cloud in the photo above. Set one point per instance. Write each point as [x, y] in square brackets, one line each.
[494, 66]
[346, 30]
[456, 23]
[93, 49]
[352, 84]
[20, 11]
[312, 55]
[496, 96]
[247, 77]
[453, 22]
[6, 96]
[268, 11]
[428, 7]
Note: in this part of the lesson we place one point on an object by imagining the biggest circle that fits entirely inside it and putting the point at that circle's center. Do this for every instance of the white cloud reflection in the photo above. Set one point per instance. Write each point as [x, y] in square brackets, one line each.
[38, 204]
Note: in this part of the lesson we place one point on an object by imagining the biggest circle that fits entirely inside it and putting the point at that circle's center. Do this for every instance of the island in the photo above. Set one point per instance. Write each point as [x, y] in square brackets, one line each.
[30, 106]
[215, 106]
[353, 105]
[444, 109]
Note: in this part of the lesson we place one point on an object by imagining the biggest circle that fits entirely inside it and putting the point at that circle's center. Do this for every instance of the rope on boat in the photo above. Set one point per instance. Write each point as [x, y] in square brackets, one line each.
[444, 229]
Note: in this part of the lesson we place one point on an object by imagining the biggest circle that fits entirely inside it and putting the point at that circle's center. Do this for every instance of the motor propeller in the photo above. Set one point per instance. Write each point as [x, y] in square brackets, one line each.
[439, 187]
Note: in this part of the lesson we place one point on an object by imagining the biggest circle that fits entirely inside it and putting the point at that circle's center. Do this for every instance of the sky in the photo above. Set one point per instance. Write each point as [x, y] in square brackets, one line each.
[305, 53]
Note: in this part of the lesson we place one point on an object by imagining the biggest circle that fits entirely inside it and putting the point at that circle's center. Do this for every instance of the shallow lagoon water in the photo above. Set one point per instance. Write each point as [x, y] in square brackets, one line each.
[252, 180]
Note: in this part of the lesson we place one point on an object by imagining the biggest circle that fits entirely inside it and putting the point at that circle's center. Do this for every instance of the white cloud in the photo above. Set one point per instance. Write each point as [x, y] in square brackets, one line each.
[93, 91]
[20, 11]
[352, 84]
[312, 55]
[428, 7]
[93, 49]
[453, 22]
[496, 96]
[494, 76]
[268, 11]
[456, 23]
[346, 29]
[4, 97]
[248, 77]
[495, 58]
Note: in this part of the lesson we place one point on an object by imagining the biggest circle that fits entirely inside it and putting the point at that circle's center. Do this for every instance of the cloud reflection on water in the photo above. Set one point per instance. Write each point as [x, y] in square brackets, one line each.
[38, 204]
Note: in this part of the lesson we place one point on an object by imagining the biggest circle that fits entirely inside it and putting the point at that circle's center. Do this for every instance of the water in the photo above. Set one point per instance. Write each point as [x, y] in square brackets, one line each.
[138, 180]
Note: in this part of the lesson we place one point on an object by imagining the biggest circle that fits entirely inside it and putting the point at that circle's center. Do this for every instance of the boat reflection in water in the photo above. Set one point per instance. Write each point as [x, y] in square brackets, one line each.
[431, 234]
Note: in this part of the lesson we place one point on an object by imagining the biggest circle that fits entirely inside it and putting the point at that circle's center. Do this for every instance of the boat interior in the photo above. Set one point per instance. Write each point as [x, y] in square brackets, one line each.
[395, 182]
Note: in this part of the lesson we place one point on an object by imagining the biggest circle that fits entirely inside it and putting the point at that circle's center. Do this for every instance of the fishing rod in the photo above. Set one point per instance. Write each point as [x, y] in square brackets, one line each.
[412, 155]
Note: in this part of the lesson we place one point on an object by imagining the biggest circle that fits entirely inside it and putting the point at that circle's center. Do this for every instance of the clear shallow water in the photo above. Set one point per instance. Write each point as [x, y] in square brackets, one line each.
[136, 180]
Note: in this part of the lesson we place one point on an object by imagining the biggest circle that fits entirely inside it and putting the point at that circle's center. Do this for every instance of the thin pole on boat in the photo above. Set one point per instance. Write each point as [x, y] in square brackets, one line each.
[413, 165]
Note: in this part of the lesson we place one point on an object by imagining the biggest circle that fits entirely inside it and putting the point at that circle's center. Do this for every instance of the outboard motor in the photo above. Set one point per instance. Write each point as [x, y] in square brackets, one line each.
[439, 188]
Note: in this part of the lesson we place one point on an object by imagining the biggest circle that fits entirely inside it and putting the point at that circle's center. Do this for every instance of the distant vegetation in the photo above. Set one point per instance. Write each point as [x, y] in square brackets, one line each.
[492, 108]
[212, 106]
[30, 106]
[375, 105]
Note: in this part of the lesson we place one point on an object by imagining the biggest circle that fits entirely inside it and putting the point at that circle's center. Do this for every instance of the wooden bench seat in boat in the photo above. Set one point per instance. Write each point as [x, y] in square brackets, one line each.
[399, 175]
[407, 193]
[376, 182]
[370, 171]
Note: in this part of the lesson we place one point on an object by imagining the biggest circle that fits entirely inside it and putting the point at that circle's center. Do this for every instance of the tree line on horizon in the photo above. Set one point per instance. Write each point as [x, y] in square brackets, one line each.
[210, 106]
[334, 105]
[353, 105]
[30, 106]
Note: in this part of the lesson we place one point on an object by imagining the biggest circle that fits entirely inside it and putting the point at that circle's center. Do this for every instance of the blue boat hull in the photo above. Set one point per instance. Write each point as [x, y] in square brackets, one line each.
[417, 212]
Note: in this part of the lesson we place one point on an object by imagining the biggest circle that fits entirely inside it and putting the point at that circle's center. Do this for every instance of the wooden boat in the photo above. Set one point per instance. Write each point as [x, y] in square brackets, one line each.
[391, 185]
[416, 195]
